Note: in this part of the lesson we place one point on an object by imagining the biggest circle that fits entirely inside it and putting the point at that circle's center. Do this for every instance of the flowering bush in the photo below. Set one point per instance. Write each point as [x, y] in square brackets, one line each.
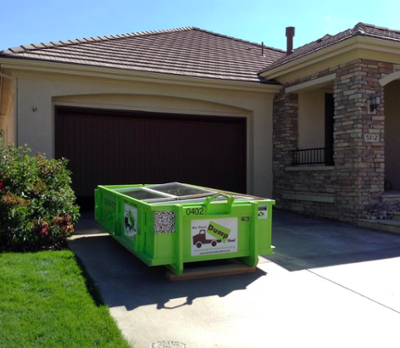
[37, 204]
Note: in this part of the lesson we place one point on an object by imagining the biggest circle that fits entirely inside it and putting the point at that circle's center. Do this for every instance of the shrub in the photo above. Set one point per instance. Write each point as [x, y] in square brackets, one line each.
[37, 204]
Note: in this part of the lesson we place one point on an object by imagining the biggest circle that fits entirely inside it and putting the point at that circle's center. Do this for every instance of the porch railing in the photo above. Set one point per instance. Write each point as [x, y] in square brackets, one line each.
[322, 155]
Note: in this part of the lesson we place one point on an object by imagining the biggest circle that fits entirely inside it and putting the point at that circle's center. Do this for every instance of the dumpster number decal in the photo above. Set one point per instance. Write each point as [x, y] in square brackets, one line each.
[262, 212]
[195, 211]
[216, 236]
[130, 225]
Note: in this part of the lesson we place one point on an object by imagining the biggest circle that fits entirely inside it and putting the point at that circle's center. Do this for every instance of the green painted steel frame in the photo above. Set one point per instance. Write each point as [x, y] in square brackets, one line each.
[253, 239]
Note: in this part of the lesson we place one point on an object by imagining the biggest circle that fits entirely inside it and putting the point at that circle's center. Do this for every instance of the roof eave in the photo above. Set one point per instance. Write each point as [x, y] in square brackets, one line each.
[307, 59]
[354, 42]
[360, 41]
[18, 63]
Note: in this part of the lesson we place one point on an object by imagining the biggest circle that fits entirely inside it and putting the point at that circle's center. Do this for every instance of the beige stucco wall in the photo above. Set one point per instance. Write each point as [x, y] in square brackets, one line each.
[392, 134]
[312, 119]
[40, 91]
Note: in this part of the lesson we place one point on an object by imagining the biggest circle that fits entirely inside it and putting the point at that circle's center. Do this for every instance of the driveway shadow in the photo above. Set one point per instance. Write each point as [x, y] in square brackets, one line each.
[124, 280]
[302, 242]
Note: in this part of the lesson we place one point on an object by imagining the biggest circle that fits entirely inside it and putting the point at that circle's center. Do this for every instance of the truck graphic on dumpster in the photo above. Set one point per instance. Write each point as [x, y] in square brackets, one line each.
[200, 239]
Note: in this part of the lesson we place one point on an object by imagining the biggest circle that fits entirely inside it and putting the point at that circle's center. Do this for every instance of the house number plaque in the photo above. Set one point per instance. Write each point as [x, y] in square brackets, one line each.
[371, 138]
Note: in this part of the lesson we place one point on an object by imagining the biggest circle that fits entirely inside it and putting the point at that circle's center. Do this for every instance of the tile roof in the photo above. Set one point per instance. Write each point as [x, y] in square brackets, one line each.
[187, 51]
[360, 29]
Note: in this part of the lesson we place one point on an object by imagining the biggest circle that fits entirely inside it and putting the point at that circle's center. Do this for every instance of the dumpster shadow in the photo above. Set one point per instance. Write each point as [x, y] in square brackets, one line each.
[302, 242]
[206, 287]
[124, 280]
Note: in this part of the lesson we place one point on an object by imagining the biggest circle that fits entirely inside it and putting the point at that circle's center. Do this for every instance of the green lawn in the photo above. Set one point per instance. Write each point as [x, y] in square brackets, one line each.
[44, 302]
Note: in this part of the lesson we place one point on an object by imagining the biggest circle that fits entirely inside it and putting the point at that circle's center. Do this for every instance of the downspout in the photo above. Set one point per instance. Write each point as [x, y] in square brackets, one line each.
[16, 113]
[2, 131]
[1, 90]
[1, 85]
[1, 97]
[6, 76]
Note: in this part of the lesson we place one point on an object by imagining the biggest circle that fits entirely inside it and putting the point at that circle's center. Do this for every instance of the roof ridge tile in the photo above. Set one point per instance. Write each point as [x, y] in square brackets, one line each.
[83, 40]
[185, 51]
[32, 47]
[236, 39]
[360, 29]
[56, 43]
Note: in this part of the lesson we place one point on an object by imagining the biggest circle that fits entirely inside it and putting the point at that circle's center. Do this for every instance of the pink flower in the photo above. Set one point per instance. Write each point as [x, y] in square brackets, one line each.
[44, 230]
[2, 187]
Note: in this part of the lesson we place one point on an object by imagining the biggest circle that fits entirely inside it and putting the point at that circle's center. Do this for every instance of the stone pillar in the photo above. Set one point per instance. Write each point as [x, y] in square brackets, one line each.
[360, 164]
[357, 179]
[285, 139]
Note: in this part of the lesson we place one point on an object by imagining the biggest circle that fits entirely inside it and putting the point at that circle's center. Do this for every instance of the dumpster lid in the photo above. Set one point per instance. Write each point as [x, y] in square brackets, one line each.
[201, 200]
[146, 195]
[182, 191]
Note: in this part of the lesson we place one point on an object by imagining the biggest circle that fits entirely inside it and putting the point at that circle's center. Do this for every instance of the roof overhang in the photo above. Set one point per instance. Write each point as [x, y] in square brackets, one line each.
[342, 52]
[325, 81]
[17, 64]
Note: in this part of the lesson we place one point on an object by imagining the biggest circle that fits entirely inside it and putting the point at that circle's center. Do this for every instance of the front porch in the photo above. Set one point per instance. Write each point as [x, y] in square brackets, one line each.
[336, 143]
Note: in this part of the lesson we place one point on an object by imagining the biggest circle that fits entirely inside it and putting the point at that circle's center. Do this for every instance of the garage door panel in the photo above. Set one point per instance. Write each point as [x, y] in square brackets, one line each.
[117, 147]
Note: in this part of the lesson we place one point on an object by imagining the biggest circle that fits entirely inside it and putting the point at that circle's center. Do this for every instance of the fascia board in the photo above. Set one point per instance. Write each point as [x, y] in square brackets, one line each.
[120, 74]
[312, 58]
[310, 85]
[355, 43]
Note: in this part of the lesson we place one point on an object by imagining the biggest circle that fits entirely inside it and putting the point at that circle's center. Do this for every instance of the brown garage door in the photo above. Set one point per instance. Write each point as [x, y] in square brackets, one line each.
[124, 147]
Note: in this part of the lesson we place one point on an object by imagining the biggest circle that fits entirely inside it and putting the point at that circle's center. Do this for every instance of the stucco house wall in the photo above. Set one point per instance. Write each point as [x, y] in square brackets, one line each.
[312, 118]
[37, 93]
[283, 104]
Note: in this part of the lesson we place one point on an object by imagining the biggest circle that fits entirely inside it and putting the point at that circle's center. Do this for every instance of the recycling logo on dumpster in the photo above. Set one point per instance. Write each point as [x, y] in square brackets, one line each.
[263, 212]
[130, 221]
[216, 236]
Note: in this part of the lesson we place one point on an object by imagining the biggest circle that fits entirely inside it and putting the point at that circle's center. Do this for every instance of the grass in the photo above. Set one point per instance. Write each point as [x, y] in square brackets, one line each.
[45, 303]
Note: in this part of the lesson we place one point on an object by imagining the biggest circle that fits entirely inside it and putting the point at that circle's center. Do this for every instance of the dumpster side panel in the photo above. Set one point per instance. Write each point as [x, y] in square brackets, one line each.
[106, 209]
[216, 234]
[149, 238]
[163, 228]
[264, 222]
[125, 219]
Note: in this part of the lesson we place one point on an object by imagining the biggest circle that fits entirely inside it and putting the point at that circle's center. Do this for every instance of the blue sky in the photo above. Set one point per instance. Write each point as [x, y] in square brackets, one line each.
[32, 21]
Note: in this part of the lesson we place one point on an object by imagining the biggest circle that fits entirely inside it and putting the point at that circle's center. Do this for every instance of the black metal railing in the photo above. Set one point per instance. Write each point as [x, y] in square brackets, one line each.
[322, 155]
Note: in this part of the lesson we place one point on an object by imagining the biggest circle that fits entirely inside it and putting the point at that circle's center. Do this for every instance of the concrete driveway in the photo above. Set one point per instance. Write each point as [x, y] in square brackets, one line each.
[327, 285]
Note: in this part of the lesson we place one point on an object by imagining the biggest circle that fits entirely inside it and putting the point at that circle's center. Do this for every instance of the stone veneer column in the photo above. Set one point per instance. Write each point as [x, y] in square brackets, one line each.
[357, 179]
[285, 139]
[359, 164]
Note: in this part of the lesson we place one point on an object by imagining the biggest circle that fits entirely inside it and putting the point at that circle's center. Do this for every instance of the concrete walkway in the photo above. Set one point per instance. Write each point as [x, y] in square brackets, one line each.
[327, 285]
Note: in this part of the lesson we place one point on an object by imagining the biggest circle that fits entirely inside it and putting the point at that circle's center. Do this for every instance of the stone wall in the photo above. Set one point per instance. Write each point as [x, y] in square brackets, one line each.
[356, 181]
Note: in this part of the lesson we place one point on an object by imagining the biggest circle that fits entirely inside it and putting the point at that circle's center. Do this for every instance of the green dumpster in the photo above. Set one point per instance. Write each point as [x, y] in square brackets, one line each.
[173, 224]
